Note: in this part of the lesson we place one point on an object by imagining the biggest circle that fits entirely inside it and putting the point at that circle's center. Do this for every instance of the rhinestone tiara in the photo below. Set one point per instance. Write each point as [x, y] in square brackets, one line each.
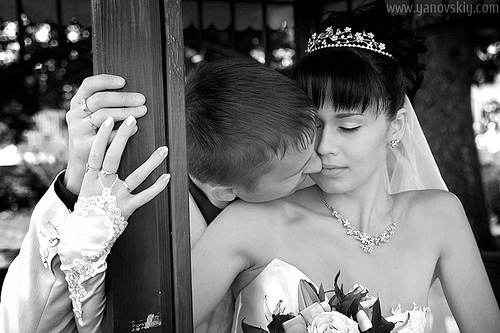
[345, 38]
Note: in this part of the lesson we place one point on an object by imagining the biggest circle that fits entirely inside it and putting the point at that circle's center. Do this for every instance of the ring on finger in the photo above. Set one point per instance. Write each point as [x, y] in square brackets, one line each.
[106, 173]
[129, 190]
[89, 168]
[85, 107]
[94, 127]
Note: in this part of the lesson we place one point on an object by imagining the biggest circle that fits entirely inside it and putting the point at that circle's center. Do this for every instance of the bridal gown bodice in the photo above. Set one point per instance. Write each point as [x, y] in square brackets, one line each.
[279, 281]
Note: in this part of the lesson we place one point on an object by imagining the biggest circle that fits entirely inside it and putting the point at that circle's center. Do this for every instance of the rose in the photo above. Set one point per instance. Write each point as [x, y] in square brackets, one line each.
[332, 322]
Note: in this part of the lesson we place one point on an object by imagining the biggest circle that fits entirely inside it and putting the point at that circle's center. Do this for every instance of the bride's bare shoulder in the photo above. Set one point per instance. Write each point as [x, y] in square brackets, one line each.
[427, 198]
[430, 205]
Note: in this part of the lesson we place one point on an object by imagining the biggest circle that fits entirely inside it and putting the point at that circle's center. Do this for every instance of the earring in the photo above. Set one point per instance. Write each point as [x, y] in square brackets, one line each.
[394, 143]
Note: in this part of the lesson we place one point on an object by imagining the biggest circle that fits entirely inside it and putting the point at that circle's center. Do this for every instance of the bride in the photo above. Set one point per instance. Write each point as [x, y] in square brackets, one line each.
[379, 212]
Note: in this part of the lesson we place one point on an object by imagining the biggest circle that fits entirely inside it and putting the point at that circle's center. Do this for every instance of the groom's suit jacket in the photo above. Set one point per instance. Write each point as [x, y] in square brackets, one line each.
[35, 295]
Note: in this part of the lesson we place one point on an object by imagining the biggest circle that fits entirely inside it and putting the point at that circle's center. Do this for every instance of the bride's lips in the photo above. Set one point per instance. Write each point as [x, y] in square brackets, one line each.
[332, 170]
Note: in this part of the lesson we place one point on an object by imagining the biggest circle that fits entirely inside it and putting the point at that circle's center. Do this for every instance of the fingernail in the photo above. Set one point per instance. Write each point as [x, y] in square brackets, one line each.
[163, 151]
[119, 81]
[140, 98]
[108, 122]
[166, 178]
[130, 120]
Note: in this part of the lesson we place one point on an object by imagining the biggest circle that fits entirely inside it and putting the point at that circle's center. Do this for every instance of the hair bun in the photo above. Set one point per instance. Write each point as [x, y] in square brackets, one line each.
[400, 41]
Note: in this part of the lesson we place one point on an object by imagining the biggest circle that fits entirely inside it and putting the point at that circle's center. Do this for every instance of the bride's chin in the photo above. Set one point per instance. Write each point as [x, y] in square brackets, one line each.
[329, 186]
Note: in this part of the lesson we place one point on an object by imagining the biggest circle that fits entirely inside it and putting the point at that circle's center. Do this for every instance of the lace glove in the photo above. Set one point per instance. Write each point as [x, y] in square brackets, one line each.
[86, 240]
[98, 220]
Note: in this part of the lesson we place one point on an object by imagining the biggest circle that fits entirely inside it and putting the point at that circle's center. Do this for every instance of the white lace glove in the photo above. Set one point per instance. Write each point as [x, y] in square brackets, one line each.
[99, 219]
[86, 240]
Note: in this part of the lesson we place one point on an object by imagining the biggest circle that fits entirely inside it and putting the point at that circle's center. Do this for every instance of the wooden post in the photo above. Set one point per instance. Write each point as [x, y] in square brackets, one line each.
[149, 279]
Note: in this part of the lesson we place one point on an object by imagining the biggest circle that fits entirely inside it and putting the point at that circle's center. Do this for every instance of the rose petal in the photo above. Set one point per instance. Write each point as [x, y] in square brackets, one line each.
[295, 325]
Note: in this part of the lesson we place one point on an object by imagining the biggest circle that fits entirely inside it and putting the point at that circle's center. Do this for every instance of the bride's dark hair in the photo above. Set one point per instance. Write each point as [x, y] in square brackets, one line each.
[353, 78]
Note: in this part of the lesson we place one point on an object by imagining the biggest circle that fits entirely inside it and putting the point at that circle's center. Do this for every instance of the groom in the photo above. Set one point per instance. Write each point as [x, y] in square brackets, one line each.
[250, 135]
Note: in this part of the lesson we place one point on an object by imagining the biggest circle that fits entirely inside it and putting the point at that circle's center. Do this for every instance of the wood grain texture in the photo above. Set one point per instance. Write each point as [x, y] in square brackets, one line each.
[149, 267]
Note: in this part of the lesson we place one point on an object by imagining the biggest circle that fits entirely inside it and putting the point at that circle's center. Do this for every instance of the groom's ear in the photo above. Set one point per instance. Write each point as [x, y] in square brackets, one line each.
[398, 125]
[223, 193]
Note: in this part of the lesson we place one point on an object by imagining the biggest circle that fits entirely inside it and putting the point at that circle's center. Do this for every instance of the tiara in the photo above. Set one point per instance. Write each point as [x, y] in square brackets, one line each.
[329, 38]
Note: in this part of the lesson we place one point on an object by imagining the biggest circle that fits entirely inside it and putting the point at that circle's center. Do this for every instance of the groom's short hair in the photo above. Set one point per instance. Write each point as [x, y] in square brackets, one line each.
[240, 116]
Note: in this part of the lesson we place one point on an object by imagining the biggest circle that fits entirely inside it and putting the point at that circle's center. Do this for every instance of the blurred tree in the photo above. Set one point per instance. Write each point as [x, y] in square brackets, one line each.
[22, 186]
[443, 105]
[38, 69]
[486, 43]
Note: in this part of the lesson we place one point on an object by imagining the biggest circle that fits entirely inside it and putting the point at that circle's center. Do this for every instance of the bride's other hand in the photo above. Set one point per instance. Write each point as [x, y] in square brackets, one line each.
[101, 212]
[95, 101]
[103, 164]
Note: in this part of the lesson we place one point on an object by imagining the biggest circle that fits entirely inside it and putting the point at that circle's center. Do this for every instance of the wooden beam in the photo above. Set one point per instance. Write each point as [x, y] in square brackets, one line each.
[149, 278]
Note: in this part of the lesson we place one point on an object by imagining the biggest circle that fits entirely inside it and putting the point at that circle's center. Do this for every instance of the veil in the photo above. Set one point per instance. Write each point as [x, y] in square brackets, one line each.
[411, 165]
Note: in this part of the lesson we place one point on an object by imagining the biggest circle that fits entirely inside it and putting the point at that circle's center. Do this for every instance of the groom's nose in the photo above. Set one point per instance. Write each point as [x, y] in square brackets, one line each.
[314, 164]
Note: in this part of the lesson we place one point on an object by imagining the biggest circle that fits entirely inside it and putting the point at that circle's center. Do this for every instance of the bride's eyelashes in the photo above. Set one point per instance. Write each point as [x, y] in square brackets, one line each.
[349, 129]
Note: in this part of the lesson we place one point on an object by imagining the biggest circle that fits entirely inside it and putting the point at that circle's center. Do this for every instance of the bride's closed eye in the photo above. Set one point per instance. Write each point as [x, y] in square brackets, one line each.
[348, 129]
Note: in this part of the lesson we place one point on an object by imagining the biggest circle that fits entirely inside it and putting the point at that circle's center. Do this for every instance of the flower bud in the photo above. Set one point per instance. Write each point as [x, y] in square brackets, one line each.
[363, 321]
[368, 302]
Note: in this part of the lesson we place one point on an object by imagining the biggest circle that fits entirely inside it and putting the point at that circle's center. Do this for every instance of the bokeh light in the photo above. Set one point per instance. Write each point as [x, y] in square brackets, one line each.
[43, 33]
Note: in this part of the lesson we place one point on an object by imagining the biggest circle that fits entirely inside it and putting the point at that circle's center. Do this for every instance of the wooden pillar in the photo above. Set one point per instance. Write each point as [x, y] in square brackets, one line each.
[148, 282]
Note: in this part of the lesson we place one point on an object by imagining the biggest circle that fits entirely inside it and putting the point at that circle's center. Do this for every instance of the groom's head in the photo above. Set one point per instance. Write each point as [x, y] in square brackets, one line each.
[250, 131]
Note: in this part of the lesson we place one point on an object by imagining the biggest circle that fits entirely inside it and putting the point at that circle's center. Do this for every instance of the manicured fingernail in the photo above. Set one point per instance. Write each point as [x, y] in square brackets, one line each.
[163, 151]
[166, 178]
[108, 122]
[119, 80]
[139, 98]
[130, 120]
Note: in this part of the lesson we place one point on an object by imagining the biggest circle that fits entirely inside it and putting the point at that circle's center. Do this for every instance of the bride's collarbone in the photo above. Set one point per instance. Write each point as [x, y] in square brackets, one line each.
[322, 257]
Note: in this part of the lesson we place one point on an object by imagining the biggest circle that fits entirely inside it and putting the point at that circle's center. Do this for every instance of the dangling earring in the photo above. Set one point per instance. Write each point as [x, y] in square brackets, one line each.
[394, 143]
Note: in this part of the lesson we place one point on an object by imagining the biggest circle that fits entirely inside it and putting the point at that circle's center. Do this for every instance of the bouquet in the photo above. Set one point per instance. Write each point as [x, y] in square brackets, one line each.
[351, 312]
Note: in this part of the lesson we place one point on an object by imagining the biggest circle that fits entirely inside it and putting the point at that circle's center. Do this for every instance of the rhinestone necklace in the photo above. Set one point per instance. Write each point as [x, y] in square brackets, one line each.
[367, 241]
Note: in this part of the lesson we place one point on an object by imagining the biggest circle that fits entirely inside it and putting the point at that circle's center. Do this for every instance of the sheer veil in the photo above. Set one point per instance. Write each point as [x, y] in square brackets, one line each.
[411, 165]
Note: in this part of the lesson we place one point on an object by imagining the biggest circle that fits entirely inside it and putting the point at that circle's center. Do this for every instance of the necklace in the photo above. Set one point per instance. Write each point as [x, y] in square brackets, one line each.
[367, 241]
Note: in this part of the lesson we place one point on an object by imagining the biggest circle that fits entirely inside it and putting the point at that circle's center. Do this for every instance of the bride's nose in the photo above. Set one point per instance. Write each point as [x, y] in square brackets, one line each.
[327, 143]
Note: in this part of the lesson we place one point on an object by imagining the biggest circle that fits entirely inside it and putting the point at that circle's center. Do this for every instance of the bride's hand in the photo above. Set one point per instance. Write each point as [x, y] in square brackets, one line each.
[103, 164]
[97, 98]
[104, 205]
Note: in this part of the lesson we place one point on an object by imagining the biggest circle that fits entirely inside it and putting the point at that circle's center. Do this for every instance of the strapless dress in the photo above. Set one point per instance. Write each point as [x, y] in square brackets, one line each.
[279, 281]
